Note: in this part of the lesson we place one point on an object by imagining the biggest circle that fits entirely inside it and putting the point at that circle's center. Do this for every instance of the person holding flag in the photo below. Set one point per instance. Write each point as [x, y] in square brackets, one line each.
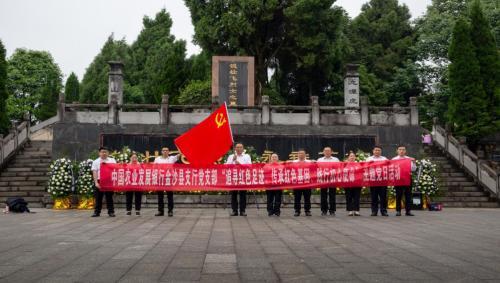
[239, 157]
[165, 158]
[98, 193]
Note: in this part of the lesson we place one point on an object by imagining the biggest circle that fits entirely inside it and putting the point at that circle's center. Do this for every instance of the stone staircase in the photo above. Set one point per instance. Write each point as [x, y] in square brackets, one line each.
[458, 188]
[26, 174]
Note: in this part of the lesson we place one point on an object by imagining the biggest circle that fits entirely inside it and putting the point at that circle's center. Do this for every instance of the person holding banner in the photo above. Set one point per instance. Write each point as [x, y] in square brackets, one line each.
[406, 190]
[378, 194]
[352, 195]
[274, 196]
[129, 195]
[301, 155]
[328, 195]
[239, 157]
[98, 194]
[166, 159]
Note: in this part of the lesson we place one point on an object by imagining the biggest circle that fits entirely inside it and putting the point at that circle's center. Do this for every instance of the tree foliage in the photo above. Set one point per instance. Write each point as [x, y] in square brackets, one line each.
[72, 88]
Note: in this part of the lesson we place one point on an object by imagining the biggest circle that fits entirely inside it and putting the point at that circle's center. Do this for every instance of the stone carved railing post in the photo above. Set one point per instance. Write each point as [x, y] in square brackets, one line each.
[365, 114]
[113, 110]
[413, 111]
[266, 118]
[61, 107]
[315, 111]
[164, 109]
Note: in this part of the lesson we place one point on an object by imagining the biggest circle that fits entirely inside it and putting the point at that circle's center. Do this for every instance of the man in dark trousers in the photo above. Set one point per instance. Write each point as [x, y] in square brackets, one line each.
[98, 194]
[406, 190]
[239, 157]
[165, 158]
[378, 194]
[328, 195]
[301, 158]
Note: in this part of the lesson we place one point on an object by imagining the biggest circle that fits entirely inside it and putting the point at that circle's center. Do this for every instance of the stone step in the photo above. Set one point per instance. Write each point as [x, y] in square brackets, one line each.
[23, 183]
[23, 194]
[471, 204]
[456, 179]
[462, 199]
[32, 157]
[28, 199]
[462, 189]
[456, 184]
[14, 174]
[466, 194]
[452, 174]
[24, 188]
[32, 161]
[32, 165]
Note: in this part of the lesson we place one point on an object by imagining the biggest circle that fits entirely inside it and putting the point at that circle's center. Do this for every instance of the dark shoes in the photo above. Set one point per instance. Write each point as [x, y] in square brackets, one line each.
[373, 214]
[234, 213]
[129, 212]
[137, 213]
[384, 214]
[398, 213]
[308, 213]
[323, 213]
[160, 213]
[296, 214]
[95, 215]
[112, 214]
[409, 214]
[242, 213]
[170, 213]
[332, 213]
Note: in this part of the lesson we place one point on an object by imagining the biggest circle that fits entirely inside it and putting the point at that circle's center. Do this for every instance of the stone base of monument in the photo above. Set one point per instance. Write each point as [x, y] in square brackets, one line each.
[221, 201]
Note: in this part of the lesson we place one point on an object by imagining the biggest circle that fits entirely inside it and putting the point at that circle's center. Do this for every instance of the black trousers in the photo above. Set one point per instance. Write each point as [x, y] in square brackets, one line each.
[307, 199]
[138, 200]
[379, 196]
[352, 196]
[408, 200]
[274, 201]
[161, 201]
[98, 196]
[243, 200]
[329, 196]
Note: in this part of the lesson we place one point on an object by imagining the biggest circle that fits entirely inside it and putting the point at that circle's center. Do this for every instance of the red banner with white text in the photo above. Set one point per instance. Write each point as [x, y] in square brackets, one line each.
[296, 175]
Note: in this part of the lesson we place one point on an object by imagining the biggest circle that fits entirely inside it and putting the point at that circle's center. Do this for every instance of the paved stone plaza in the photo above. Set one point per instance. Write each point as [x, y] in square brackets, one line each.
[455, 245]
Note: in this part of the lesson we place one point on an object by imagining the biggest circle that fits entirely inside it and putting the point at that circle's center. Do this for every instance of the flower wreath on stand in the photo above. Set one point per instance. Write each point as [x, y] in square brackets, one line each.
[85, 185]
[60, 183]
[425, 179]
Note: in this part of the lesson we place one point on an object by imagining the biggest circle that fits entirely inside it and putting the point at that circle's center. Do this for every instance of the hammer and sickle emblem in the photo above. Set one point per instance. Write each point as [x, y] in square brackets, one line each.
[220, 120]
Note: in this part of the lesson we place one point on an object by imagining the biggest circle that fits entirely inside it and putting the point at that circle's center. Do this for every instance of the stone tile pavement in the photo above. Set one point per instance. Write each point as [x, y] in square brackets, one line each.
[455, 245]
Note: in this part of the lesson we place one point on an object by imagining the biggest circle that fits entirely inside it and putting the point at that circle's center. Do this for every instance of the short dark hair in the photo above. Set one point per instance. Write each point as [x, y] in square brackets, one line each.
[401, 145]
[103, 148]
[163, 147]
[237, 143]
[377, 146]
[301, 149]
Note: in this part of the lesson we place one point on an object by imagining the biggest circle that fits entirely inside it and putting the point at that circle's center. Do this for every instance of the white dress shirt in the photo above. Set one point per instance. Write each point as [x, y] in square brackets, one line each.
[168, 160]
[413, 165]
[242, 159]
[96, 164]
[375, 158]
[305, 160]
[329, 159]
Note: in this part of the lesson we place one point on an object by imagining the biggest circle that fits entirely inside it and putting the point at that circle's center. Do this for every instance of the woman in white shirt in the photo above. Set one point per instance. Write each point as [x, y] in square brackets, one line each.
[134, 161]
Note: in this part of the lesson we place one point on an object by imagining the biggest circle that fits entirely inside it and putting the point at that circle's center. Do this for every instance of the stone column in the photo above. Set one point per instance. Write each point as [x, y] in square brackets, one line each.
[164, 110]
[365, 114]
[315, 111]
[351, 88]
[115, 81]
[113, 110]
[413, 111]
[215, 103]
[265, 110]
[61, 105]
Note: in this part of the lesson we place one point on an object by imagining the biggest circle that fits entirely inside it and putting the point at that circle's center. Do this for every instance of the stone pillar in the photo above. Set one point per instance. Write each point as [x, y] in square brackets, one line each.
[315, 111]
[13, 130]
[413, 111]
[1, 149]
[266, 118]
[113, 110]
[215, 103]
[365, 114]
[164, 110]
[61, 105]
[115, 81]
[351, 88]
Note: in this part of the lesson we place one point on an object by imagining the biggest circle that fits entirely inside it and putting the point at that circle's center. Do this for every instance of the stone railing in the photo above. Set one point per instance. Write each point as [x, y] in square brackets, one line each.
[10, 145]
[264, 114]
[458, 150]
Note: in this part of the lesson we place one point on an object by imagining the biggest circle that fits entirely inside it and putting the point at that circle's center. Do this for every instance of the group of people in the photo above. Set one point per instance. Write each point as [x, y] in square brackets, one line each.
[274, 196]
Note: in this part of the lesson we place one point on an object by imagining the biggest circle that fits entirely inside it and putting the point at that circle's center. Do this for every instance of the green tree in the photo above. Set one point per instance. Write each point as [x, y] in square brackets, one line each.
[72, 89]
[200, 66]
[29, 72]
[196, 92]
[94, 85]
[488, 57]
[467, 107]
[158, 59]
[4, 119]
[381, 37]
[48, 99]
[241, 27]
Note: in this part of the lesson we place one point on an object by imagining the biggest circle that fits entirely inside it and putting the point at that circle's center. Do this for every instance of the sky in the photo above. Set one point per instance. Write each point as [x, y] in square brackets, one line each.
[74, 31]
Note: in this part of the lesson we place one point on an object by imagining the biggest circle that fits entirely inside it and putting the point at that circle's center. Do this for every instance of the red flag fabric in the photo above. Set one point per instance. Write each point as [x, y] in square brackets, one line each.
[209, 140]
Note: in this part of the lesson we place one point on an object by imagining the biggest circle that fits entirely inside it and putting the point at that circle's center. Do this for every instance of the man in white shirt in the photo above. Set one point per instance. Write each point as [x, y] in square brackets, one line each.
[98, 195]
[378, 194]
[239, 157]
[166, 159]
[406, 190]
[297, 194]
[328, 195]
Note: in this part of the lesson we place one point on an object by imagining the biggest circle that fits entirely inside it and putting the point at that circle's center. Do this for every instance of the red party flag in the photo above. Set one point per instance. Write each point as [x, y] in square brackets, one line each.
[208, 141]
